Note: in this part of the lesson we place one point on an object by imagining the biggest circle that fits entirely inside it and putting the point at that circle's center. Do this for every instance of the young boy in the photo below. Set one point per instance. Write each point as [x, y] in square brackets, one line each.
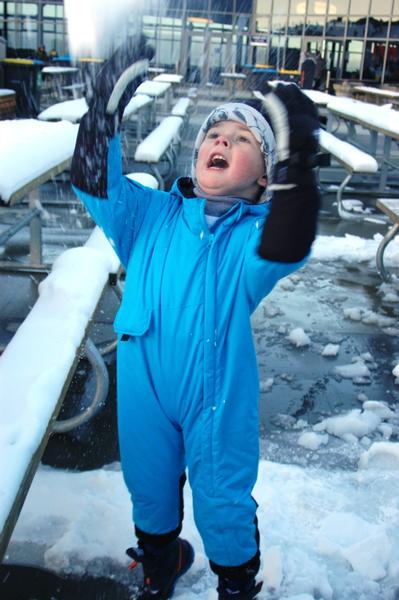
[187, 376]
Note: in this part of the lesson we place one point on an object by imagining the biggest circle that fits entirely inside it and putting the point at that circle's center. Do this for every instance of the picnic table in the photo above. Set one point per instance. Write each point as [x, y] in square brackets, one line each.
[8, 103]
[73, 110]
[172, 78]
[31, 153]
[58, 77]
[158, 90]
[374, 94]
[377, 120]
[231, 80]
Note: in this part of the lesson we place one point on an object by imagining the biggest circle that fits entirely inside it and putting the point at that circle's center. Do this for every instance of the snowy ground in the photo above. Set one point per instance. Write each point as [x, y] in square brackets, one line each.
[328, 490]
[325, 534]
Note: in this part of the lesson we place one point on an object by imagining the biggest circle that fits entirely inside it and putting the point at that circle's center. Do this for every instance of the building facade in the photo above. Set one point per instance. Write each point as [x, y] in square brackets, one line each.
[358, 39]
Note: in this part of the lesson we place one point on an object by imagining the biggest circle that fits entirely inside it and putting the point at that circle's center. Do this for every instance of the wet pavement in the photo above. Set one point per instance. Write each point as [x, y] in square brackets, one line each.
[296, 382]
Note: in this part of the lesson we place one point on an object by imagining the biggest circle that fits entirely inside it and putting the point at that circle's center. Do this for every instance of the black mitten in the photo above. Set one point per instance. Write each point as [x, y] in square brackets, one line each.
[290, 227]
[295, 123]
[111, 91]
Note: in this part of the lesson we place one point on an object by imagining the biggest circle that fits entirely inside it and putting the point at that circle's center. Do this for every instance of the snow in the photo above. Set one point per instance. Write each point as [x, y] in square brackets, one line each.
[357, 160]
[46, 344]
[7, 92]
[157, 142]
[59, 70]
[330, 350]
[73, 110]
[168, 78]
[325, 533]
[29, 148]
[380, 117]
[299, 338]
[70, 110]
[377, 91]
[153, 88]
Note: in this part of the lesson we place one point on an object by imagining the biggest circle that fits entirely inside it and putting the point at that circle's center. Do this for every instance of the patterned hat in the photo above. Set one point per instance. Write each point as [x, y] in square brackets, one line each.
[251, 118]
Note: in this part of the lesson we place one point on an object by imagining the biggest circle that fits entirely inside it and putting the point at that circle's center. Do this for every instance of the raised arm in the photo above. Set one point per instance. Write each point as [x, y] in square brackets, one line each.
[112, 89]
[290, 228]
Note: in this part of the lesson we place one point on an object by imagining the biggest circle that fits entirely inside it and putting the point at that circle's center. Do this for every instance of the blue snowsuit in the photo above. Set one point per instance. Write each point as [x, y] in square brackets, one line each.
[188, 386]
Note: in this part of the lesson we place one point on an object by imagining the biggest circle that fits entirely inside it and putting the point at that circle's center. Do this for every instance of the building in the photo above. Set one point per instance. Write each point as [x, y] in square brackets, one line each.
[359, 39]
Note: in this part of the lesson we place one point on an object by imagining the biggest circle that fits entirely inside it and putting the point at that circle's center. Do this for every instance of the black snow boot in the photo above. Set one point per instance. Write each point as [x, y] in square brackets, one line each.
[238, 589]
[162, 567]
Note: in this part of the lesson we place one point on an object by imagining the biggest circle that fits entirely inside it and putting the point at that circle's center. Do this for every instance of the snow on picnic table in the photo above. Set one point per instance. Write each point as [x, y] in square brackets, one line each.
[381, 117]
[29, 148]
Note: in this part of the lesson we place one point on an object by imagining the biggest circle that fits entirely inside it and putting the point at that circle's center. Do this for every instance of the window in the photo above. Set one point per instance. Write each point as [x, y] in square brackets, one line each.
[201, 5]
[392, 65]
[280, 7]
[28, 9]
[359, 7]
[292, 53]
[336, 27]
[264, 7]
[381, 7]
[10, 8]
[378, 27]
[295, 25]
[314, 25]
[353, 59]
[279, 25]
[53, 11]
[317, 7]
[373, 61]
[338, 7]
[356, 26]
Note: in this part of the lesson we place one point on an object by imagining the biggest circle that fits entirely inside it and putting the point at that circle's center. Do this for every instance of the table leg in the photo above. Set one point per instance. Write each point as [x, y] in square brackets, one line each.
[384, 163]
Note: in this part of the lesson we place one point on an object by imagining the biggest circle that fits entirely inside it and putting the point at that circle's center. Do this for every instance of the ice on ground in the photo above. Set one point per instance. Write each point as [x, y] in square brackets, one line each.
[330, 350]
[355, 370]
[299, 338]
[368, 317]
[273, 568]
[266, 384]
[379, 408]
[364, 545]
[312, 440]
[381, 455]
[351, 426]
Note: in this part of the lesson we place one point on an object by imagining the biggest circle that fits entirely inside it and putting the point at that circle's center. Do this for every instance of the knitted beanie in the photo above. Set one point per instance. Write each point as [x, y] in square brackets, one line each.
[251, 118]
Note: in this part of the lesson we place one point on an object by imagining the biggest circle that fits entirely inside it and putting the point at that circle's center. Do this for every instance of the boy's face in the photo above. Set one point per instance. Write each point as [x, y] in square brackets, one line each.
[230, 162]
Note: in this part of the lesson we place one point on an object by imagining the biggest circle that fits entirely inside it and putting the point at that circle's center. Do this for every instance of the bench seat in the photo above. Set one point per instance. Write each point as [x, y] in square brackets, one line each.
[352, 159]
[182, 107]
[145, 179]
[161, 143]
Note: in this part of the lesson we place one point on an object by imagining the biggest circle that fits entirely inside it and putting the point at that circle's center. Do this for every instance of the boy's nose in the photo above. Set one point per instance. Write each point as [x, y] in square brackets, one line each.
[222, 140]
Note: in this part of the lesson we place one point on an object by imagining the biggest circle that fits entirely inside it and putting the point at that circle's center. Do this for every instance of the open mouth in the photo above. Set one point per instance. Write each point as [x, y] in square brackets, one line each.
[217, 161]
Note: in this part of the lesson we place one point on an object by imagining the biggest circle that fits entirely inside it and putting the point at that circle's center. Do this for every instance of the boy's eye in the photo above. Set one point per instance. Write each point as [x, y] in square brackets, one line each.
[212, 135]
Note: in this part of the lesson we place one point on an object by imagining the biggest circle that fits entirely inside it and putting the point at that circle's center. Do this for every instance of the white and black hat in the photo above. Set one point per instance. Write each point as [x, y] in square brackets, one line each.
[251, 118]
